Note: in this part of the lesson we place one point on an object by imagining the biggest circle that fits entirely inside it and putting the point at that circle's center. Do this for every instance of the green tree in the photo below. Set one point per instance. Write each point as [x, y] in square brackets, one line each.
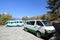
[4, 18]
[43, 17]
[54, 6]
[38, 18]
[25, 18]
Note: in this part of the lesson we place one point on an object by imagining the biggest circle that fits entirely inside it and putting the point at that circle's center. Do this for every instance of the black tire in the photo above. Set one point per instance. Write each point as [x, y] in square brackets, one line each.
[25, 29]
[38, 34]
[18, 25]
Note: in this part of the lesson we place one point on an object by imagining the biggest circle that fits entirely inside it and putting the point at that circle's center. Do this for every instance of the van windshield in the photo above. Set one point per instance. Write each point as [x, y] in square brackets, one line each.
[47, 23]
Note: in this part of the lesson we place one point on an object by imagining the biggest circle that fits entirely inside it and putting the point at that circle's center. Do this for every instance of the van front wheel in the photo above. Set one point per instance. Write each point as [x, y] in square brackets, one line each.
[38, 34]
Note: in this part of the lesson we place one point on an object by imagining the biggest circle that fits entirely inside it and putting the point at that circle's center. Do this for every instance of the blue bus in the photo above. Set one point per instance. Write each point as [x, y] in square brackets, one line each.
[15, 23]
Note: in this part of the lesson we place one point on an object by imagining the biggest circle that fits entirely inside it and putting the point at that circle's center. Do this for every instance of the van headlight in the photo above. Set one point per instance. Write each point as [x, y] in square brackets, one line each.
[53, 30]
[49, 31]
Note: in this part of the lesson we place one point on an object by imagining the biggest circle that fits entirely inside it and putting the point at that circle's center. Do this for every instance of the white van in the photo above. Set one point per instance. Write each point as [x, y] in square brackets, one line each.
[40, 28]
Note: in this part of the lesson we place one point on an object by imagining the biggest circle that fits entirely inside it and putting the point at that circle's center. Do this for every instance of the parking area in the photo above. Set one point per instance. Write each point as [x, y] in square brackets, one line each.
[16, 33]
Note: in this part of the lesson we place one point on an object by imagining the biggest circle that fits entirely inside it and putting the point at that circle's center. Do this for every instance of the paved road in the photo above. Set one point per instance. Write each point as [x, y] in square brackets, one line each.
[16, 33]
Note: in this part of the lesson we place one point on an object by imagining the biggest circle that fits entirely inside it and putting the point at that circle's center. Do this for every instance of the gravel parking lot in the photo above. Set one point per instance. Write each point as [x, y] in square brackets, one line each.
[16, 33]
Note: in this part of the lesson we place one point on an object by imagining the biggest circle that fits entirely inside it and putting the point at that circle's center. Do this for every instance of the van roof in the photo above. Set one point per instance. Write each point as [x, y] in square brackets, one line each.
[13, 20]
[36, 20]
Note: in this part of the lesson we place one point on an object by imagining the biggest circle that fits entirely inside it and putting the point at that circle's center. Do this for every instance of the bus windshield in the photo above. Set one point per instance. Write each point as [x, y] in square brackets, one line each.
[47, 23]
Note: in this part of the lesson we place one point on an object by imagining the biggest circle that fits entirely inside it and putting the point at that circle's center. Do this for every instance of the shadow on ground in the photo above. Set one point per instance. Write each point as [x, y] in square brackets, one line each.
[44, 38]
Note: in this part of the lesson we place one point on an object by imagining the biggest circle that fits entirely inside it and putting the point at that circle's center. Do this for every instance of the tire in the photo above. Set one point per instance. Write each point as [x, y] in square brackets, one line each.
[38, 34]
[25, 30]
[18, 25]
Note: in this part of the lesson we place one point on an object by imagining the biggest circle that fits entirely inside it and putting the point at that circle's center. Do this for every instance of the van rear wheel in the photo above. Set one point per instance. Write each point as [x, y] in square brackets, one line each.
[38, 34]
[18, 25]
[25, 29]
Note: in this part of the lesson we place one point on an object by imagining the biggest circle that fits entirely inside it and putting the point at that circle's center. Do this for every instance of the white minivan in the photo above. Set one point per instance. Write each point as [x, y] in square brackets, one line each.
[40, 28]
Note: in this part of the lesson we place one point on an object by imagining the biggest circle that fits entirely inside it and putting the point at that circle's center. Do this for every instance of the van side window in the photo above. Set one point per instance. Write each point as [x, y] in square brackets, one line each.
[28, 22]
[39, 23]
[31, 22]
[20, 21]
[17, 22]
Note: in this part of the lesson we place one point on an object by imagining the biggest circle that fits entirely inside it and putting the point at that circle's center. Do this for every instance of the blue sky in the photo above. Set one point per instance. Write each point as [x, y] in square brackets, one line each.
[20, 8]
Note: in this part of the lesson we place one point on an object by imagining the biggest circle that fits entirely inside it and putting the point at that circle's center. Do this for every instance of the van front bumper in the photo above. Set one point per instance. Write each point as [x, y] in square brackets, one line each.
[50, 34]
